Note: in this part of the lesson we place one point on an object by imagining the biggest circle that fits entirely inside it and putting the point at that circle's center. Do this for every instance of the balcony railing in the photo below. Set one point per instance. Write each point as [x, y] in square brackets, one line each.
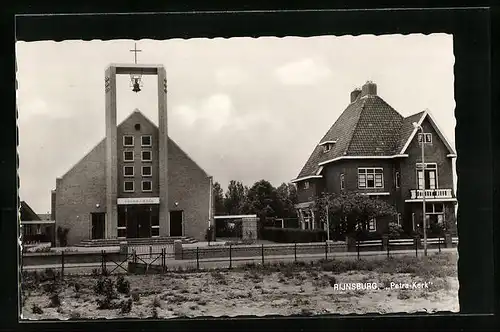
[431, 193]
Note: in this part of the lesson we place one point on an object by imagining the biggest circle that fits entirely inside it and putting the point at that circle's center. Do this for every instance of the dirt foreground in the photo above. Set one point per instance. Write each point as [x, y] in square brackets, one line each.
[391, 286]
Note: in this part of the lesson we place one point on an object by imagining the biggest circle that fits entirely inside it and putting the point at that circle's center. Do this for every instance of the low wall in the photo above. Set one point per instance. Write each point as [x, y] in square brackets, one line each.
[46, 258]
[256, 250]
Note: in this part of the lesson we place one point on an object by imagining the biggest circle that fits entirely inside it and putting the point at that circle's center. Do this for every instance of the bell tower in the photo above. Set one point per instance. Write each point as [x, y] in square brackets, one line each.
[135, 71]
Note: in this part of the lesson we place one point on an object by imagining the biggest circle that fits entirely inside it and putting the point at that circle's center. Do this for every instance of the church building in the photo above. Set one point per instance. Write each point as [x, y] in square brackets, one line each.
[136, 182]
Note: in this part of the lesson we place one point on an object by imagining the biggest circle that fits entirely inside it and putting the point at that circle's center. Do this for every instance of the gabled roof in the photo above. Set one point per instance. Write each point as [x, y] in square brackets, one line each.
[27, 212]
[368, 128]
[136, 112]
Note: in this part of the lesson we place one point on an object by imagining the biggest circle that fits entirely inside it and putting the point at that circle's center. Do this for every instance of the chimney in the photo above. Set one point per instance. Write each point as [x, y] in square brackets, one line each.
[369, 88]
[355, 94]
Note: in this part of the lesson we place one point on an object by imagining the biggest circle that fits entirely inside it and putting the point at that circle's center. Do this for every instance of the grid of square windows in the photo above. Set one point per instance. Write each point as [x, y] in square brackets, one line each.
[128, 171]
[147, 171]
[128, 186]
[147, 186]
[128, 155]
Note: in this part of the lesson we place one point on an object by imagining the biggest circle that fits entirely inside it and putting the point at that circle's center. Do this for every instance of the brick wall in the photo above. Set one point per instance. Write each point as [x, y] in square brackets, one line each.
[189, 186]
[78, 192]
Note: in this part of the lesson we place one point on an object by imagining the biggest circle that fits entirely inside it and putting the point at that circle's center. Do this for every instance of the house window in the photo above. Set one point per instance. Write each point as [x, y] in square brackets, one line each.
[429, 179]
[398, 180]
[128, 155]
[306, 215]
[146, 140]
[147, 171]
[128, 140]
[306, 184]
[128, 186]
[434, 214]
[327, 147]
[370, 178]
[147, 186]
[128, 171]
[372, 225]
[146, 155]
[413, 221]
[399, 219]
[342, 183]
[428, 138]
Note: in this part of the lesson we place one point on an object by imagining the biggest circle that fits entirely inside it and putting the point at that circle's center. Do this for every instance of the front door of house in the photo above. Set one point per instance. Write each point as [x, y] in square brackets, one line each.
[98, 224]
[175, 223]
[138, 221]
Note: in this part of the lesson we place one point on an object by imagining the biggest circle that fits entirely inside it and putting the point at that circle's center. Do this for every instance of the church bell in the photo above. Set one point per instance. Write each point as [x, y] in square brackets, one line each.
[136, 86]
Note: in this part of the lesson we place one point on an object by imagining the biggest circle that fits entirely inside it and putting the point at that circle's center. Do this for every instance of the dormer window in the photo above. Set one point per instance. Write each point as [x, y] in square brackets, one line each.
[306, 184]
[327, 145]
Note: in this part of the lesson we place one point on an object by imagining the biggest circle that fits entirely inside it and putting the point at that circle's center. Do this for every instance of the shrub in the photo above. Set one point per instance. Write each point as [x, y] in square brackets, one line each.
[104, 286]
[55, 301]
[74, 315]
[36, 309]
[122, 285]
[77, 287]
[394, 231]
[290, 235]
[104, 303]
[135, 296]
[62, 236]
[155, 313]
[156, 302]
[126, 306]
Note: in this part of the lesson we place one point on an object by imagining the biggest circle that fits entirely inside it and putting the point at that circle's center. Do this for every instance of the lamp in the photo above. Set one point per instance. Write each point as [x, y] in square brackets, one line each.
[424, 219]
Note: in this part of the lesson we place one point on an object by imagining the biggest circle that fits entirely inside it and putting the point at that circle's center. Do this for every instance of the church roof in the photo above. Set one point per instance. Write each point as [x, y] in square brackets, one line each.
[368, 127]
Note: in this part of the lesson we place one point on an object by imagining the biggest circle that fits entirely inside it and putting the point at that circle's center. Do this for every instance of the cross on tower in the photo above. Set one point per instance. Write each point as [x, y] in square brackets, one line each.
[135, 50]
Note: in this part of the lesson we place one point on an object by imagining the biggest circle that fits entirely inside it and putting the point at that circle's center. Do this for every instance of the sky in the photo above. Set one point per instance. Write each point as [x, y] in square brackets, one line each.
[244, 109]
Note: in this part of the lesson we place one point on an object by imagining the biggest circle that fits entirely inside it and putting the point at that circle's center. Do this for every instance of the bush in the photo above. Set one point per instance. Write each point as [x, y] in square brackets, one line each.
[126, 306]
[122, 285]
[290, 235]
[394, 231]
[62, 236]
[55, 301]
[105, 286]
[36, 309]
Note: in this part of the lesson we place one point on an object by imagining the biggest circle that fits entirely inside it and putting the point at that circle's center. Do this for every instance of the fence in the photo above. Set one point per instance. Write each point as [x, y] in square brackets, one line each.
[157, 259]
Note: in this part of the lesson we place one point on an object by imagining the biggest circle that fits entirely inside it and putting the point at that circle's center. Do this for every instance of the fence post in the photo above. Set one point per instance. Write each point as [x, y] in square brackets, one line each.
[326, 250]
[197, 258]
[163, 259]
[263, 254]
[135, 256]
[439, 243]
[295, 251]
[416, 247]
[230, 257]
[150, 251]
[104, 261]
[357, 247]
[62, 264]
[388, 244]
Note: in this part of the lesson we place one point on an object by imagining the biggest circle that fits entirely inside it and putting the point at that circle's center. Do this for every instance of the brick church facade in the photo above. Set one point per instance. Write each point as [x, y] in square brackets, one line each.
[137, 182]
[373, 150]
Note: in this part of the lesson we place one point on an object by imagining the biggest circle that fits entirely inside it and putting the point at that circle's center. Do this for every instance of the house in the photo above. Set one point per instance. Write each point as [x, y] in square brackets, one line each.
[373, 150]
[79, 201]
[34, 228]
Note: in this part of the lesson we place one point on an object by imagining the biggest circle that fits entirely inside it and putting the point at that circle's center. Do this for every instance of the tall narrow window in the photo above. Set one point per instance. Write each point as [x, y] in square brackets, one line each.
[399, 219]
[342, 183]
[372, 225]
[306, 184]
[398, 180]
[429, 179]
[427, 136]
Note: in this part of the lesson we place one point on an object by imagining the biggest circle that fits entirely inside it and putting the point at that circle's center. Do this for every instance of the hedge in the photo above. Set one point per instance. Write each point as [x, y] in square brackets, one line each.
[291, 235]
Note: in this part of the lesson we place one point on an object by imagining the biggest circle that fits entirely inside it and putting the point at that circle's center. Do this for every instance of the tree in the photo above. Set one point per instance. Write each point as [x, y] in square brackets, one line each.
[287, 198]
[218, 195]
[352, 211]
[234, 198]
[262, 200]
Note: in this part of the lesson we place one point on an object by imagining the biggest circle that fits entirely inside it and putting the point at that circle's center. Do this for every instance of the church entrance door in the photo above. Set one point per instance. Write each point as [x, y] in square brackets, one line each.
[175, 223]
[98, 224]
[138, 221]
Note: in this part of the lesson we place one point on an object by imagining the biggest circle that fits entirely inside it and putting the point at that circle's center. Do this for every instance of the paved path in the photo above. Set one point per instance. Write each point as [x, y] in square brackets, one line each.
[86, 268]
